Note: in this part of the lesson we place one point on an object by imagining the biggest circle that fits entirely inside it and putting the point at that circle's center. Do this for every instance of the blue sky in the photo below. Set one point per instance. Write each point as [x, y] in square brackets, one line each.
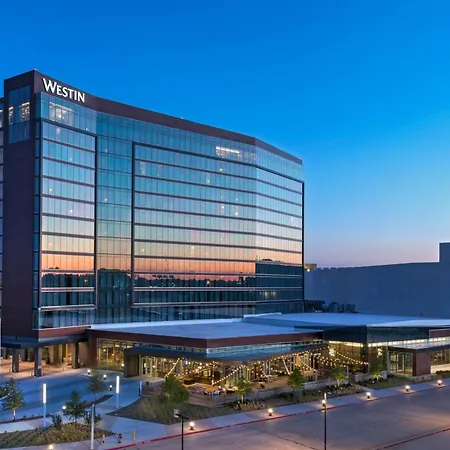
[359, 90]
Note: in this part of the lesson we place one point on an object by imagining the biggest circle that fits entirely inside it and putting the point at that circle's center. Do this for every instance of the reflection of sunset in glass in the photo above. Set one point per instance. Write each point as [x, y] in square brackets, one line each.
[67, 262]
[200, 226]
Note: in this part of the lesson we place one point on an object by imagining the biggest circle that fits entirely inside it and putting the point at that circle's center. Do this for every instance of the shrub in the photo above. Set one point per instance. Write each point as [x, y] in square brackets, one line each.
[56, 420]
[175, 389]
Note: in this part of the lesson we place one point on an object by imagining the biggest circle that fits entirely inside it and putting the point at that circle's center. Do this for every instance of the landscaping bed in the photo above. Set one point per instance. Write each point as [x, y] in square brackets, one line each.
[25, 418]
[159, 409]
[396, 380]
[50, 435]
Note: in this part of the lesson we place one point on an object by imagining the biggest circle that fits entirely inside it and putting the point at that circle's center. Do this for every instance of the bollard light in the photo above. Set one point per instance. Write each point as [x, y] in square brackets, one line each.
[117, 391]
[439, 383]
[50, 447]
[270, 411]
[64, 407]
[368, 395]
[89, 371]
[110, 387]
[104, 376]
[192, 426]
[324, 403]
[44, 404]
[407, 388]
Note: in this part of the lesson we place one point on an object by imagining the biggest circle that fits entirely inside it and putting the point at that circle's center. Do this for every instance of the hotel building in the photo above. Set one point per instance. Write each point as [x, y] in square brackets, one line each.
[116, 214]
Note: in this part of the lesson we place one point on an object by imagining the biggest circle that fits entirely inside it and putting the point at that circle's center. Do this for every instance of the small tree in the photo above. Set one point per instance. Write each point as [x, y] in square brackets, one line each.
[338, 373]
[96, 383]
[243, 388]
[175, 389]
[296, 381]
[74, 407]
[376, 368]
[14, 397]
[57, 420]
[87, 418]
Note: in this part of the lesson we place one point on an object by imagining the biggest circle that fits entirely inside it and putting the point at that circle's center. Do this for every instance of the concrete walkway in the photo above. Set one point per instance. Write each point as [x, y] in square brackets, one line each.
[148, 431]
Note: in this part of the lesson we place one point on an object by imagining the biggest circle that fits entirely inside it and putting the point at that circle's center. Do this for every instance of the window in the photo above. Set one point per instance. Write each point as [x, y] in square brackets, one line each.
[19, 114]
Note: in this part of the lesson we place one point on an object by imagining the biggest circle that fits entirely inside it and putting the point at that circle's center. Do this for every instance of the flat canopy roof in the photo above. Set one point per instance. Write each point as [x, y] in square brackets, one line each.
[326, 320]
[440, 344]
[205, 329]
[237, 357]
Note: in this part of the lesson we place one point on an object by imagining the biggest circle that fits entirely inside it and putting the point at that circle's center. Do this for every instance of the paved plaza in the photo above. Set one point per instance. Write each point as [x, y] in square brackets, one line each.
[59, 387]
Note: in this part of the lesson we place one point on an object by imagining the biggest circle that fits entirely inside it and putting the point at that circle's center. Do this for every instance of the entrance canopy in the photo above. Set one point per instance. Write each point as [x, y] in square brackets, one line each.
[231, 357]
[208, 336]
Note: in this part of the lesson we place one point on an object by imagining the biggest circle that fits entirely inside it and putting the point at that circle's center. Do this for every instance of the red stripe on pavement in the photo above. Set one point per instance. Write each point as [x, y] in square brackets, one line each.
[405, 441]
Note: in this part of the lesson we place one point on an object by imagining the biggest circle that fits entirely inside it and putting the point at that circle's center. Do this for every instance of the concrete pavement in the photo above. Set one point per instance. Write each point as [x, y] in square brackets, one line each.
[148, 432]
[59, 387]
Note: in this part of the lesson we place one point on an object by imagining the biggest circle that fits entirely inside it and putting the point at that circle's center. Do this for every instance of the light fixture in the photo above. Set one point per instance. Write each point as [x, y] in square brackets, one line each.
[407, 388]
[104, 376]
[192, 426]
[368, 395]
[50, 447]
[89, 371]
[324, 403]
[110, 387]
[64, 407]
[270, 411]
[439, 383]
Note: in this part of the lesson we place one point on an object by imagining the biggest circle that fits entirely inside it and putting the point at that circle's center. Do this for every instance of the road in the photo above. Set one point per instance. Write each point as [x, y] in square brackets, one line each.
[406, 422]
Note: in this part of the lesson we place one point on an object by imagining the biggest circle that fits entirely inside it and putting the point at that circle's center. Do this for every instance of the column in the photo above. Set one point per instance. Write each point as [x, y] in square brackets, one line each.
[88, 355]
[55, 354]
[75, 356]
[421, 363]
[38, 362]
[15, 360]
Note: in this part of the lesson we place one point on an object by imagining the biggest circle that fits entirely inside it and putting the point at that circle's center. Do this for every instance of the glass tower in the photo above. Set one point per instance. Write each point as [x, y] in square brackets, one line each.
[151, 220]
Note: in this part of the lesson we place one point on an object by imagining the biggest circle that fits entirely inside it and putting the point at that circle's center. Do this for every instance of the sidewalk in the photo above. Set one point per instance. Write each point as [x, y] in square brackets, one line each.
[149, 431]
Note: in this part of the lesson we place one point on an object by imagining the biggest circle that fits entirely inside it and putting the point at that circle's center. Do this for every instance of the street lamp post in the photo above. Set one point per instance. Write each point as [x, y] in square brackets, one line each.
[324, 404]
[177, 413]
[117, 391]
[44, 404]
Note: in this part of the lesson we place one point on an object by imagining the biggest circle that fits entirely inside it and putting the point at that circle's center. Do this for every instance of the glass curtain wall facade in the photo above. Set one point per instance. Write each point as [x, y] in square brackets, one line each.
[143, 222]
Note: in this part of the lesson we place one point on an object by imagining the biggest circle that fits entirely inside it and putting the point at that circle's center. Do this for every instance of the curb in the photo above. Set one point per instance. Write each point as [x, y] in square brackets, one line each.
[266, 419]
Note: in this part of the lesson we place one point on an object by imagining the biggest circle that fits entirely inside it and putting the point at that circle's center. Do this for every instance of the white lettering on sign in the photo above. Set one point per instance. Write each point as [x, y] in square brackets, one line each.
[63, 91]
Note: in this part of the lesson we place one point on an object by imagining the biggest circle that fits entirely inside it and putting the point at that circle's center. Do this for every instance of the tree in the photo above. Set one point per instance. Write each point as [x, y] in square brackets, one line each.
[296, 381]
[376, 368]
[338, 373]
[74, 407]
[14, 397]
[96, 383]
[175, 390]
[244, 387]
